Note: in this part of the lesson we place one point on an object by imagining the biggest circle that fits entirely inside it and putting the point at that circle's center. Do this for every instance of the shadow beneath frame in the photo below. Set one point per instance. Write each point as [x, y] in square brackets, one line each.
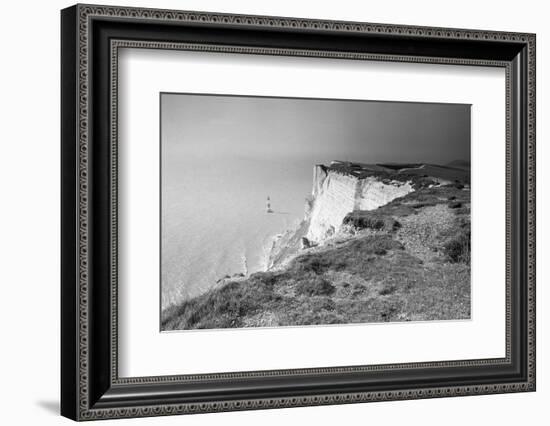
[51, 407]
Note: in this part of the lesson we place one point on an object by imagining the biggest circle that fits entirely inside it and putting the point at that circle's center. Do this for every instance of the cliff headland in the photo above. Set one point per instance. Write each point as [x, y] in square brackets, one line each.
[378, 242]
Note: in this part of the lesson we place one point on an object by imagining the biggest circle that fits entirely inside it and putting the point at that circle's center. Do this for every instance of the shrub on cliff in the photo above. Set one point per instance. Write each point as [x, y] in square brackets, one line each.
[367, 220]
[457, 249]
[314, 286]
[312, 263]
[269, 279]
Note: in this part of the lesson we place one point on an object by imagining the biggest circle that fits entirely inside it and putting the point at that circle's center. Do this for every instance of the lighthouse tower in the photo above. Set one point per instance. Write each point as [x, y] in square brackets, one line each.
[268, 205]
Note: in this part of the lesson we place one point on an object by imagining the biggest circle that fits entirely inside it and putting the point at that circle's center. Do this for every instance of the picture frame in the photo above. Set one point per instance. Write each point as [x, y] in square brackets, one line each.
[91, 387]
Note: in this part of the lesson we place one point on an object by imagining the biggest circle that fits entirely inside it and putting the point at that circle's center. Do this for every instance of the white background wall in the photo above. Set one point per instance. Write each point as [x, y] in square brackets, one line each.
[29, 225]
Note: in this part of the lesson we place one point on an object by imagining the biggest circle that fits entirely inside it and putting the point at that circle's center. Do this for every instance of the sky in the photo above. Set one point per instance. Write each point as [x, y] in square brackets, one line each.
[279, 128]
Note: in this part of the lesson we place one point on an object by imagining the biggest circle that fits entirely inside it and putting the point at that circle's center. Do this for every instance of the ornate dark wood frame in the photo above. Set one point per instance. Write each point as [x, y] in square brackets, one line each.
[91, 37]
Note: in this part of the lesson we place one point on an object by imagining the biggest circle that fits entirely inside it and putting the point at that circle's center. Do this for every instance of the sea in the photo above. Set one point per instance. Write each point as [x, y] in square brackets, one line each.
[214, 218]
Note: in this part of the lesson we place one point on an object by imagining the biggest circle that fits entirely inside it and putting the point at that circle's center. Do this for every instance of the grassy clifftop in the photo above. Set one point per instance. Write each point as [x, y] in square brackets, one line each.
[406, 261]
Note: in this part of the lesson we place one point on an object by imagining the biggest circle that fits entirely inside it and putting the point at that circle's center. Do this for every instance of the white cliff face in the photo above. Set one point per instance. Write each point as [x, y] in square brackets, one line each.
[335, 194]
[374, 193]
[333, 198]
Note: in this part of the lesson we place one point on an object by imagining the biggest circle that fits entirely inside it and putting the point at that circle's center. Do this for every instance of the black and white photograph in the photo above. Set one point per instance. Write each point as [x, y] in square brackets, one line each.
[281, 212]
[269, 207]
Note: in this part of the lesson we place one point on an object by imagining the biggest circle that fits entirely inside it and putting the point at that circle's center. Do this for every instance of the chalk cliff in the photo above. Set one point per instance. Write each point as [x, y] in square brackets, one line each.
[338, 190]
[342, 188]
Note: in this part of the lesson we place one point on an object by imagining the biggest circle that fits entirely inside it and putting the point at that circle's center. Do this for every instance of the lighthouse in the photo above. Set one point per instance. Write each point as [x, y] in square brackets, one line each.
[268, 205]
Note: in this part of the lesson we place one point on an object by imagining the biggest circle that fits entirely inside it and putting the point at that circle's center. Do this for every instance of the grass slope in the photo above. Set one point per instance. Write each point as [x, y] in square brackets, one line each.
[406, 261]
